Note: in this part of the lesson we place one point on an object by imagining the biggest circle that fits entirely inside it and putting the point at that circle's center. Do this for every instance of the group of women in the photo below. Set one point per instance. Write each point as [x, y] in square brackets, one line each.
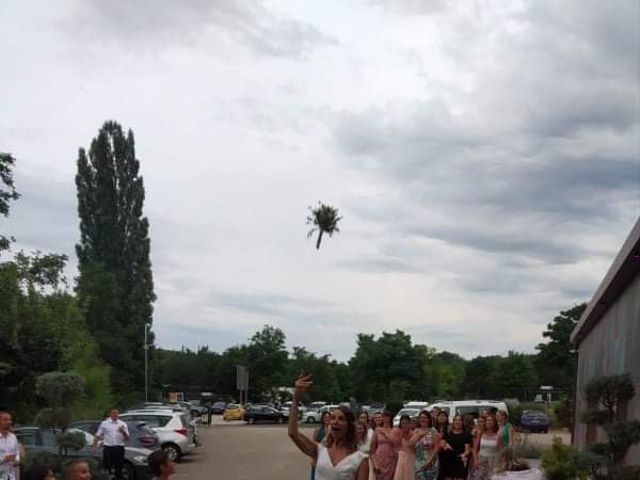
[429, 447]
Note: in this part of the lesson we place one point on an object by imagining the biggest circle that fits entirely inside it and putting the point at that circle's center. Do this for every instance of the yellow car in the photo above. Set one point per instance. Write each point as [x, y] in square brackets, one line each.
[233, 411]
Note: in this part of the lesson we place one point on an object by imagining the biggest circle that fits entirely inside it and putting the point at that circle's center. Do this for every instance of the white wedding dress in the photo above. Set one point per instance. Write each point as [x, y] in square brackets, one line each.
[346, 469]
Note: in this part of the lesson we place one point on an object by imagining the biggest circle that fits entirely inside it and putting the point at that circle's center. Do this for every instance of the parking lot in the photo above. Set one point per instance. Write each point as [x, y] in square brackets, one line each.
[235, 450]
[238, 451]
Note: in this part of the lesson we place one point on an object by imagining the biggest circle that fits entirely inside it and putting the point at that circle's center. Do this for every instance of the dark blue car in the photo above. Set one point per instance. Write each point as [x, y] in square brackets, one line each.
[534, 421]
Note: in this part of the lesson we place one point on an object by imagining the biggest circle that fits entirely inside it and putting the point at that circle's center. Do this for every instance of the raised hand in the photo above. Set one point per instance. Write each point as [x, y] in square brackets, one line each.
[303, 383]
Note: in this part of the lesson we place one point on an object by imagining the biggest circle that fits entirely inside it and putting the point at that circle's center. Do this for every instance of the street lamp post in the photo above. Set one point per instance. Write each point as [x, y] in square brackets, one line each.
[146, 361]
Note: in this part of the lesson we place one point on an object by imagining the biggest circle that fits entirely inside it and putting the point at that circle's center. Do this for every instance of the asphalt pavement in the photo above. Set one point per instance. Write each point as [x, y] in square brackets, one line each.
[236, 451]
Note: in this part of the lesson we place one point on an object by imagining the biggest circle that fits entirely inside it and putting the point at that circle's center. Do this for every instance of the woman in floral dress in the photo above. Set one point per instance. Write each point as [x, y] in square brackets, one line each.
[426, 441]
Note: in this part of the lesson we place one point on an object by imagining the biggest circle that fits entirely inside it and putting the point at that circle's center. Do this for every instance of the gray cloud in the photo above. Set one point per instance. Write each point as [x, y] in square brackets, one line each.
[208, 24]
[549, 136]
[485, 157]
[44, 218]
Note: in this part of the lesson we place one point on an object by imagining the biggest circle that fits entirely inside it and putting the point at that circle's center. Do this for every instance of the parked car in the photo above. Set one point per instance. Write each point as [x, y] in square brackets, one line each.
[143, 405]
[175, 433]
[416, 404]
[314, 416]
[316, 405]
[286, 406]
[264, 413]
[198, 408]
[534, 421]
[233, 411]
[140, 435]
[411, 412]
[36, 440]
[374, 408]
[218, 408]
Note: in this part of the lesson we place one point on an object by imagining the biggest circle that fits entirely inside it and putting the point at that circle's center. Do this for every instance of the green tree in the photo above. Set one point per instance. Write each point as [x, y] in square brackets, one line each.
[267, 360]
[43, 329]
[605, 459]
[556, 361]
[186, 370]
[115, 285]
[480, 378]
[225, 372]
[325, 372]
[387, 368]
[515, 375]
[28, 344]
[324, 220]
[446, 371]
[8, 192]
[60, 391]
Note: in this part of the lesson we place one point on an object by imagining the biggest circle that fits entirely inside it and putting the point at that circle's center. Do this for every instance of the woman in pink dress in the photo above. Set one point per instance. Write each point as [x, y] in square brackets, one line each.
[383, 449]
[405, 468]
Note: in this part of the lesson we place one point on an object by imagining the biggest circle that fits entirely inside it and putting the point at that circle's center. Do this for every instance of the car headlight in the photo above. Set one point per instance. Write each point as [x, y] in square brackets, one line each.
[140, 459]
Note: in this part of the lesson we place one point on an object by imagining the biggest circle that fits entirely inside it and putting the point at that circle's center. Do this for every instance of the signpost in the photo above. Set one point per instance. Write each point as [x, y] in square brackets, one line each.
[242, 382]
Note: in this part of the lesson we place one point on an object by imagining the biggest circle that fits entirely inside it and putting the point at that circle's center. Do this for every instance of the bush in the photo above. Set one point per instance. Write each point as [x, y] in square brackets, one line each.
[561, 463]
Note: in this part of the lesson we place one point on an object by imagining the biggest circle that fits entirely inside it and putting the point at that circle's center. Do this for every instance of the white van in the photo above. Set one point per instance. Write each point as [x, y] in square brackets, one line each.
[417, 405]
[468, 407]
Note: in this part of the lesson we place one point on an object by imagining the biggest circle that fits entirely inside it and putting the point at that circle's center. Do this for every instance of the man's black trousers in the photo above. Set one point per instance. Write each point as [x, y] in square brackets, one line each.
[113, 458]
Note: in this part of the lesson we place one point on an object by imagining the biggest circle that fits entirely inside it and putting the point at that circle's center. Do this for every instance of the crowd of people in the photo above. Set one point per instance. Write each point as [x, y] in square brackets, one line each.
[429, 447]
[113, 432]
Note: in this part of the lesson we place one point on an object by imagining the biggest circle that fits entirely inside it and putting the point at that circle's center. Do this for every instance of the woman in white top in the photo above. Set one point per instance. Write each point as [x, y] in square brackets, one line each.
[337, 457]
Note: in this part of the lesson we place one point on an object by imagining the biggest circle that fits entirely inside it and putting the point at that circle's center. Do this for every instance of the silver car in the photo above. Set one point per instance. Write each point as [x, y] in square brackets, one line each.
[175, 433]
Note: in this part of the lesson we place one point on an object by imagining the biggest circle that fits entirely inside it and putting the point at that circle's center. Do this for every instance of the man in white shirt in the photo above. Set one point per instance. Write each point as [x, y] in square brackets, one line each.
[114, 433]
[9, 449]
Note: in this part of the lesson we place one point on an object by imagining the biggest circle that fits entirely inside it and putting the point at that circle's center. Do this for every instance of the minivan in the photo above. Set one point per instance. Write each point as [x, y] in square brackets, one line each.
[468, 407]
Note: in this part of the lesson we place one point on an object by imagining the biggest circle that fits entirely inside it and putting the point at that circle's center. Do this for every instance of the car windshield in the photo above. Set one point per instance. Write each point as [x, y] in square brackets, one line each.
[411, 412]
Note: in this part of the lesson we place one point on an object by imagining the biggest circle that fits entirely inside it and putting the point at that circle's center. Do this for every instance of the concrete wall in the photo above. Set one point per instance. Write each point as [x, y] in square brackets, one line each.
[612, 347]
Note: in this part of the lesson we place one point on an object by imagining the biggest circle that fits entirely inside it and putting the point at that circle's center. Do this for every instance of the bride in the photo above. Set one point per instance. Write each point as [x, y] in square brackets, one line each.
[337, 456]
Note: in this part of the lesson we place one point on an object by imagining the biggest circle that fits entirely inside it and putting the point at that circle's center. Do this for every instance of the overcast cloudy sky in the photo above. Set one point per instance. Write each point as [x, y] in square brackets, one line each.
[485, 156]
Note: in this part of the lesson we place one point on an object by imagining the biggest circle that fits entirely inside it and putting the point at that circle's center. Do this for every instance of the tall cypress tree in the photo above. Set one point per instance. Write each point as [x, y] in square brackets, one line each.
[115, 284]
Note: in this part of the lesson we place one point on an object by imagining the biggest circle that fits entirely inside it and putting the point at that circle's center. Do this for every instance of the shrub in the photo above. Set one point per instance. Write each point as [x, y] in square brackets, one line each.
[561, 462]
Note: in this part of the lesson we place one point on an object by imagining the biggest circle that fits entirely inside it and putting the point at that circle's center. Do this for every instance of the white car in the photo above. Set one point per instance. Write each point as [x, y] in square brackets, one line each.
[314, 416]
[175, 433]
[286, 406]
[410, 412]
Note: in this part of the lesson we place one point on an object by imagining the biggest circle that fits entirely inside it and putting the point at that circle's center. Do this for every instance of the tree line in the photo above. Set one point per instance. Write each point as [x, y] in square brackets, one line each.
[386, 368]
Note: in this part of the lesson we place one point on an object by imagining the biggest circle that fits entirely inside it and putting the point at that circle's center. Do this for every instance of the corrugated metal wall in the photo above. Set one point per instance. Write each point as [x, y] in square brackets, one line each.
[612, 347]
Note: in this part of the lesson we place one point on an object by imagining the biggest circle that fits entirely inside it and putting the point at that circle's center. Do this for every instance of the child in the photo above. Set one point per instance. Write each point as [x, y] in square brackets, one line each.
[161, 465]
[77, 470]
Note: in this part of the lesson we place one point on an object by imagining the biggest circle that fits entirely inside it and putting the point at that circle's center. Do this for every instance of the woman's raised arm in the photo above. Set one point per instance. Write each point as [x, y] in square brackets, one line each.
[304, 443]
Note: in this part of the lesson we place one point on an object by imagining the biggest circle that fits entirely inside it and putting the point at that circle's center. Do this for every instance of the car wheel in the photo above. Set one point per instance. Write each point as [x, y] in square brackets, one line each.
[173, 451]
[545, 431]
[311, 420]
[280, 419]
[252, 420]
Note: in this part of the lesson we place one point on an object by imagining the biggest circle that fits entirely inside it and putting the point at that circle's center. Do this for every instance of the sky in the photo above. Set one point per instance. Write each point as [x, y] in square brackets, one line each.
[484, 155]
